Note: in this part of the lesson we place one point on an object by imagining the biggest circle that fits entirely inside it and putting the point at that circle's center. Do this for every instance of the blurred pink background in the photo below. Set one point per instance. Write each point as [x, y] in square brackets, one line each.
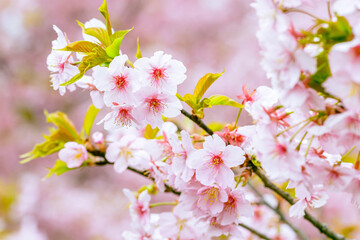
[207, 35]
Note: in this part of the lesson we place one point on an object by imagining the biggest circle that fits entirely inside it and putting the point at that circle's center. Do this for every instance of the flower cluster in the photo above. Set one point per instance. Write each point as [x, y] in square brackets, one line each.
[306, 131]
[138, 95]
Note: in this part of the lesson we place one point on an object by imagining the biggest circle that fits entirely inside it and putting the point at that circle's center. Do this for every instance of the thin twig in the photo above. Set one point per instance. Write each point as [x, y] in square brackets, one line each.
[259, 234]
[278, 212]
[322, 227]
[144, 174]
[198, 121]
[267, 183]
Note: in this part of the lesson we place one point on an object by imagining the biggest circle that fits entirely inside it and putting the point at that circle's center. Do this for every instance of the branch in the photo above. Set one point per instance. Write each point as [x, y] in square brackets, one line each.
[322, 227]
[198, 121]
[144, 174]
[278, 212]
[260, 235]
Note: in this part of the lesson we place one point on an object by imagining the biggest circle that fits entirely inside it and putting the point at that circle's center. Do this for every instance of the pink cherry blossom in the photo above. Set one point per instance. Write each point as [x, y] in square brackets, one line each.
[153, 105]
[315, 200]
[139, 206]
[118, 81]
[120, 116]
[212, 163]
[161, 72]
[181, 152]
[98, 138]
[128, 152]
[97, 96]
[212, 199]
[354, 189]
[74, 154]
[346, 87]
[60, 63]
[235, 206]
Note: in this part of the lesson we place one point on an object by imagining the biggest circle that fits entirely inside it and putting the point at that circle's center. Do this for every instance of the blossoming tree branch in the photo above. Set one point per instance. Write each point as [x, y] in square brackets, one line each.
[304, 140]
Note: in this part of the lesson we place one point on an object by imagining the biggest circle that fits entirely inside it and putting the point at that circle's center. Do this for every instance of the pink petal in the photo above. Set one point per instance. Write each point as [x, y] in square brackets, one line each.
[233, 156]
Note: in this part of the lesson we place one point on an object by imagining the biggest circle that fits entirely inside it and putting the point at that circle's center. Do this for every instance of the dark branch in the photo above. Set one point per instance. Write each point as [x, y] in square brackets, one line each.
[323, 228]
[144, 174]
[198, 121]
[278, 212]
[260, 235]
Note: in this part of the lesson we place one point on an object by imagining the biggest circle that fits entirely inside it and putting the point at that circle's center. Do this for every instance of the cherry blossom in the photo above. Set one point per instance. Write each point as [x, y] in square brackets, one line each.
[212, 163]
[161, 72]
[120, 116]
[315, 200]
[127, 152]
[235, 206]
[153, 105]
[212, 199]
[74, 154]
[139, 206]
[60, 63]
[118, 81]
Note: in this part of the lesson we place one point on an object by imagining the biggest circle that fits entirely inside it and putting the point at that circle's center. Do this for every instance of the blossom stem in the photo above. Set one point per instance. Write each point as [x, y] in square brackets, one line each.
[295, 125]
[144, 174]
[308, 148]
[299, 130]
[162, 204]
[260, 235]
[302, 139]
[301, 235]
[198, 121]
[323, 228]
[130, 63]
[237, 117]
[300, 11]
[347, 153]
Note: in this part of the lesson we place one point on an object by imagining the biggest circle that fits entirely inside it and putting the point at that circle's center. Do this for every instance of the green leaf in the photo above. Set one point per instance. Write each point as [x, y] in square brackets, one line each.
[90, 118]
[66, 127]
[216, 126]
[65, 132]
[322, 73]
[41, 150]
[73, 79]
[100, 34]
[150, 133]
[120, 34]
[339, 31]
[105, 12]
[204, 83]
[223, 100]
[81, 46]
[138, 52]
[114, 49]
[97, 57]
[59, 168]
[190, 100]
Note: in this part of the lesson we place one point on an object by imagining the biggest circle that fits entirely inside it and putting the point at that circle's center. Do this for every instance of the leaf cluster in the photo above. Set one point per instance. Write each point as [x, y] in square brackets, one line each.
[198, 103]
[100, 53]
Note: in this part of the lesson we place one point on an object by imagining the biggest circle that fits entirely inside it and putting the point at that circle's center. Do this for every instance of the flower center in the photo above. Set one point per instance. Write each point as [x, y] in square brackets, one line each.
[155, 105]
[123, 116]
[61, 67]
[230, 205]
[120, 82]
[216, 160]
[158, 74]
[212, 196]
[356, 50]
